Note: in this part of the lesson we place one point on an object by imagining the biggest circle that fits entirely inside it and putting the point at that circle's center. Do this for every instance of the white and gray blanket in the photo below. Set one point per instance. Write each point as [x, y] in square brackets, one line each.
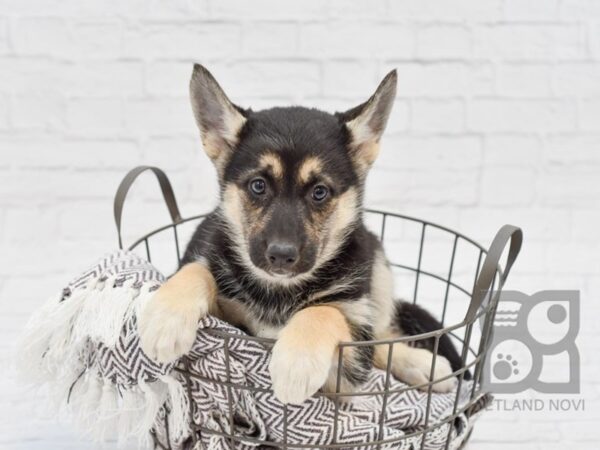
[83, 346]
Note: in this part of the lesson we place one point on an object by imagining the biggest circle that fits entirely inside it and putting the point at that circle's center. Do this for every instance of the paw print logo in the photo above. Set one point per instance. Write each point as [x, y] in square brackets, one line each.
[532, 338]
[505, 367]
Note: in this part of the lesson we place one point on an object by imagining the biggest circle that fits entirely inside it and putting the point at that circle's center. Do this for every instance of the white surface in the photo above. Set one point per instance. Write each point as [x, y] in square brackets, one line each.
[497, 120]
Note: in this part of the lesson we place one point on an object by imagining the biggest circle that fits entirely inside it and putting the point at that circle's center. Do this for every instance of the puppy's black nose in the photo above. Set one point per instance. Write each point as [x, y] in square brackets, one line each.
[282, 255]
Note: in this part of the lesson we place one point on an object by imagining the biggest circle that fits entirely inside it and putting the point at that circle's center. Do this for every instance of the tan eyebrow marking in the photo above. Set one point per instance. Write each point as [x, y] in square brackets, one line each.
[308, 167]
[272, 161]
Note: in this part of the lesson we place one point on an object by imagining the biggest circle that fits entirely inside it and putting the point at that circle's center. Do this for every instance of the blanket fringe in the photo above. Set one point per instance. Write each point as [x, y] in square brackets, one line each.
[179, 408]
[106, 308]
[52, 354]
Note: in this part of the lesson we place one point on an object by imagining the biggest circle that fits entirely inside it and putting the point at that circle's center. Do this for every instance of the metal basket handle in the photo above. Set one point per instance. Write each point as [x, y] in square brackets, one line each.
[165, 187]
[490, 266]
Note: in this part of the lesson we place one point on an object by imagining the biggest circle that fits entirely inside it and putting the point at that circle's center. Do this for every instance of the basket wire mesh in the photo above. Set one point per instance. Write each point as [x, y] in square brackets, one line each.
[481, 290]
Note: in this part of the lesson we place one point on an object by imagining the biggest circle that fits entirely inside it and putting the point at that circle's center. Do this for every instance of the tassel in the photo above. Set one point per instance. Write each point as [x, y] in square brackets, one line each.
[107, 307]
[47, 339]
[155, 395]
[179, 405]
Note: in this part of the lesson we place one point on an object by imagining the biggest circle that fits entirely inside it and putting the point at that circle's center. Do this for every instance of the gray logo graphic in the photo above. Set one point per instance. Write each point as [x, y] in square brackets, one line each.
[533, 344]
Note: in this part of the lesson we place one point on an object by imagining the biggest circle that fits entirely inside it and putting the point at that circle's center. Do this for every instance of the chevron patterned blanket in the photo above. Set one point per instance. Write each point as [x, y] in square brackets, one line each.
[82, 345]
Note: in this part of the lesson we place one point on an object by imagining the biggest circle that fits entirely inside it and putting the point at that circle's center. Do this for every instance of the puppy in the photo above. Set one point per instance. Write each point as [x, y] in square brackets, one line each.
[286, 255]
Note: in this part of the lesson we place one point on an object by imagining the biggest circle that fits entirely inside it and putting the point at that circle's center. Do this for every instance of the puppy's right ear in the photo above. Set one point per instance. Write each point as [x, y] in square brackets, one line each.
[219, 120]
[366, 123]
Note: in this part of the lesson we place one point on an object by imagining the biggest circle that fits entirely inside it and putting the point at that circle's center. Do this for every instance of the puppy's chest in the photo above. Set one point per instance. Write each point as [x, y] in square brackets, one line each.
[266, 313]
[243, 316]
[262, 311]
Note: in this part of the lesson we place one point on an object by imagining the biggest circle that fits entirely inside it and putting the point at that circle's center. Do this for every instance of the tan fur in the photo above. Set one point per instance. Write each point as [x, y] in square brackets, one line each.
[345, 212]
[413, 365]
[365, 143]
[234, 122]
[360, 130]
[241, 214]
[218, 146]
[169, 320]
[359, 312]
[308, 168]
[212, 145]
[239, 315]
[382, 291]
[233, 209]
[192, 282]
[364, 155]
[316, 328]
[272, 162]
[381, 351]
[236, 216]
[342, 213]
[370, 152]
[305, 352]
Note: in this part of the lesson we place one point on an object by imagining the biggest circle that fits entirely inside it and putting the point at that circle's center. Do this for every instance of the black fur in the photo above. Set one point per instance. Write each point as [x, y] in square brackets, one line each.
[272, 303]
[241, 139]
[293, 133]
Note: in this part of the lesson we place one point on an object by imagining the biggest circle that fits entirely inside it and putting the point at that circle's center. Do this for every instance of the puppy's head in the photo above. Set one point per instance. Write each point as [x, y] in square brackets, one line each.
[291, 178]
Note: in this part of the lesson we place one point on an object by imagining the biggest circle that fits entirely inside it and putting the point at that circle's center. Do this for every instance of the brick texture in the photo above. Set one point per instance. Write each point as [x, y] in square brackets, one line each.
[497, 120]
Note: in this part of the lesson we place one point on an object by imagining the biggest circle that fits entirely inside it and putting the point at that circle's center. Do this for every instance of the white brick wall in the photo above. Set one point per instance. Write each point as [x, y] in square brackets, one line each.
[497, 120]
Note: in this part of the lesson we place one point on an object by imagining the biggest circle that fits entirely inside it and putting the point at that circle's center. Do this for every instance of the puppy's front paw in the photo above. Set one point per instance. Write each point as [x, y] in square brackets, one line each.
[167, 324]
[415, 370]
[298, 374]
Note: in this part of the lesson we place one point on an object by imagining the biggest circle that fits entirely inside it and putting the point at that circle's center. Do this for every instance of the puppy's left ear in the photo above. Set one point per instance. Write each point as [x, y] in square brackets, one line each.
[366, 122]
[219, 120]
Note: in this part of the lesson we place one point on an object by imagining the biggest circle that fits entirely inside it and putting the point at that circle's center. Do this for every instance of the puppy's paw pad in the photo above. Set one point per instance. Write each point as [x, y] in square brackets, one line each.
[297, 376]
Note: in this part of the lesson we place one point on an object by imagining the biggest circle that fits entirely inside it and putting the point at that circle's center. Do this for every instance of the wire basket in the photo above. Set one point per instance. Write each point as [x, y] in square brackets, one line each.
[451, 275]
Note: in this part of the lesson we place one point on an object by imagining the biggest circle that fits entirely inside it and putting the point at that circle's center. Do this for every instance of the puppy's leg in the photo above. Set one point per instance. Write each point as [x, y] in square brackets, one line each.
[413, 365]
[168, 323]
[413, 319]
[303, 356]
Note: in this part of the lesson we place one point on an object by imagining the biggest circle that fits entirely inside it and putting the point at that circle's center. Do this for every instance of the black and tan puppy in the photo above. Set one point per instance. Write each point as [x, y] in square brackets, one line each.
[286, 254]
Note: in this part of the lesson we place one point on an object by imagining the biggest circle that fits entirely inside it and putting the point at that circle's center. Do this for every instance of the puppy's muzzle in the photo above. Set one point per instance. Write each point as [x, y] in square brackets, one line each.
[282, 256]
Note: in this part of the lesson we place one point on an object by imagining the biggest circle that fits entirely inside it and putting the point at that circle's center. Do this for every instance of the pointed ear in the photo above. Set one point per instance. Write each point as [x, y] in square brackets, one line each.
[219, 120]
[366, 122]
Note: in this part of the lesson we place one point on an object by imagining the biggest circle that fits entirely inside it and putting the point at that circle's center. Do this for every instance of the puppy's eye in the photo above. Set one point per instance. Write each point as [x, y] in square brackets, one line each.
[258, 186]
[320, 193]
